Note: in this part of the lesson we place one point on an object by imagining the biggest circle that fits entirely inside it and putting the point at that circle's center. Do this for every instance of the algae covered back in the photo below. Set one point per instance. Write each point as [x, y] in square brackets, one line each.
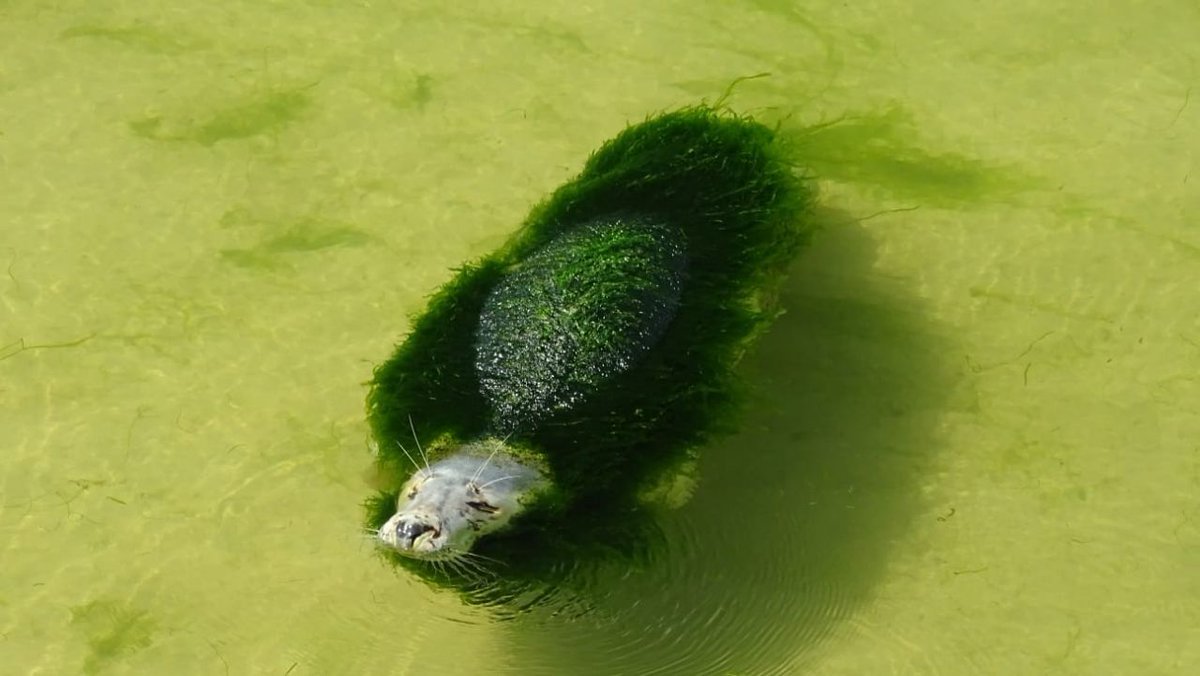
[576, 313]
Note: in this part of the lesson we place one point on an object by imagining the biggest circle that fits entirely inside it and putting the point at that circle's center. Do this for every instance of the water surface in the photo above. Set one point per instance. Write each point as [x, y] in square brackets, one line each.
[972, 446]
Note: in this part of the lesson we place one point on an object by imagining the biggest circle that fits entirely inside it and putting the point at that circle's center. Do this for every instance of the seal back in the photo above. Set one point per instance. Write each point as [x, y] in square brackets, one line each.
[576, 313]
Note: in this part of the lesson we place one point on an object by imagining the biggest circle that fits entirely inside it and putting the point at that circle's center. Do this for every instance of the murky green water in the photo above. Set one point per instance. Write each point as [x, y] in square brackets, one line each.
[975, 443]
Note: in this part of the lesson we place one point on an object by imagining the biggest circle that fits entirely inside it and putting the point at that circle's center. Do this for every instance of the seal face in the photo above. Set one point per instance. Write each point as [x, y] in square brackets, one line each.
[447, 505]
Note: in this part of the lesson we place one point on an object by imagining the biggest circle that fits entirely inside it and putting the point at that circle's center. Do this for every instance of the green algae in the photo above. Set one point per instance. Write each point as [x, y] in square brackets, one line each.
[139, 37]
[314, 235]
[283, 236]
[880, 149]
[114, 632]
[415, 94]
[563, 323]
[256, 115]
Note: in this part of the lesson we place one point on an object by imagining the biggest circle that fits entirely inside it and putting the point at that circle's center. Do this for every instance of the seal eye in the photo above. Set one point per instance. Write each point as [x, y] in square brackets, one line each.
[482, 506]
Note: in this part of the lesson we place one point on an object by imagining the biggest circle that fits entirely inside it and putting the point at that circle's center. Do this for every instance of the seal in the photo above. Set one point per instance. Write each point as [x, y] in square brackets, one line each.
[579, 311]
[577, 367]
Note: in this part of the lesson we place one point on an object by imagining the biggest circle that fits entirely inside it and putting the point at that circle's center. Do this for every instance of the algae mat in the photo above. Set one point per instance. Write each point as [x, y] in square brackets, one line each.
[973, 446]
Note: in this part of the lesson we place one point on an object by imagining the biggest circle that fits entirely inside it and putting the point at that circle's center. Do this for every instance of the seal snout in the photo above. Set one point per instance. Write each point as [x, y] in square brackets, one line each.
[408, 529]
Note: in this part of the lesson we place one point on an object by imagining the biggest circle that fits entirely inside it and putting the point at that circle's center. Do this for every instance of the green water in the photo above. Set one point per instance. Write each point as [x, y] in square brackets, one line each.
[975, 439]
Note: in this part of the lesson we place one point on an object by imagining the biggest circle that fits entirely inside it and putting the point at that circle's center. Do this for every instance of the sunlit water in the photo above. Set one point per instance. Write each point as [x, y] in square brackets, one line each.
[971, 445]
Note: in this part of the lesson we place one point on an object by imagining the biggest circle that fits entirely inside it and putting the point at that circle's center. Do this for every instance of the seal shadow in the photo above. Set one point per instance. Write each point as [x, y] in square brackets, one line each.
[790, 528]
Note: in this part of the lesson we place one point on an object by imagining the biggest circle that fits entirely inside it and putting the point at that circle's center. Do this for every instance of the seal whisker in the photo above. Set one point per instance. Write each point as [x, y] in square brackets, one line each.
[455, 566]
[461, 567]
[408, 455]
[510, 476]
[481, 563]
[479, 470]
[477, 555]
[478, 576]
[470, 568]
[419, 449]
[370, 538]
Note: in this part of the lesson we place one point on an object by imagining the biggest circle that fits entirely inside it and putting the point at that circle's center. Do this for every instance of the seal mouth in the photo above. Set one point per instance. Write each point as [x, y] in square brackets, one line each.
[425, 541]
[411, 535]
[409, 531]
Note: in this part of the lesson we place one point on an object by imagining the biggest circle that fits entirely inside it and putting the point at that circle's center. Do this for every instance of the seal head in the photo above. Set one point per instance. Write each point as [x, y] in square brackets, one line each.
[446, 506]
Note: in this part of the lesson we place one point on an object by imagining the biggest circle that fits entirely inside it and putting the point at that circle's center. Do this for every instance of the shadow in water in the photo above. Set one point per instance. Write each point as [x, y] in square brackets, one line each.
[791, 526]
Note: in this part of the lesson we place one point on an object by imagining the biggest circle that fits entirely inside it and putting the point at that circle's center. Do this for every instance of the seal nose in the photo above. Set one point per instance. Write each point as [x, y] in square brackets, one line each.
[409, 530]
